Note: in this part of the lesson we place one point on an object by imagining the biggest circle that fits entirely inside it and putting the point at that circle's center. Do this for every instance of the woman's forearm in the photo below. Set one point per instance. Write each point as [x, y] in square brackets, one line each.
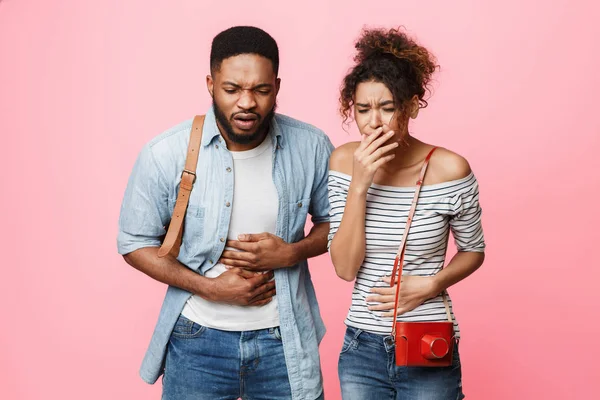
[348, 245]
[462, 265]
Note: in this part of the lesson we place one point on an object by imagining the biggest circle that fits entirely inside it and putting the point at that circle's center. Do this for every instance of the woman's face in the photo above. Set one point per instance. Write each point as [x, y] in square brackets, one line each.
[374, 107]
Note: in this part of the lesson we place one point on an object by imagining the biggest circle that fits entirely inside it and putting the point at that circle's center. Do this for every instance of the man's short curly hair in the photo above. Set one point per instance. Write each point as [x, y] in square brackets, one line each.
[243, 40]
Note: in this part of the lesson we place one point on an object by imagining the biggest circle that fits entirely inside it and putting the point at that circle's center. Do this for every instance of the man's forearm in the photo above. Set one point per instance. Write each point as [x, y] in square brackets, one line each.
[312, 245]
[168, 270]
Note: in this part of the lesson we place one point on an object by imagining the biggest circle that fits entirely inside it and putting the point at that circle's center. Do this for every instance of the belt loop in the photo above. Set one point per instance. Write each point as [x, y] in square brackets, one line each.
[389, 343]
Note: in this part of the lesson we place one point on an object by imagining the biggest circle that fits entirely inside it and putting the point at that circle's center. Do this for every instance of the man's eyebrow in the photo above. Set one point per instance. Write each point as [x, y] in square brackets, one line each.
[259, 86]
[262, 86]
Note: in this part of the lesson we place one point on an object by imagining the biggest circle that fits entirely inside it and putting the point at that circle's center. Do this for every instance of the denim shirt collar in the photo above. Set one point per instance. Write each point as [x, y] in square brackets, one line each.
[211, 130]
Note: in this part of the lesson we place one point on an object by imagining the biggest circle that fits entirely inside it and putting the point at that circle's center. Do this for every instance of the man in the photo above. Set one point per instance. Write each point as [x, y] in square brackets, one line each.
[240, 317]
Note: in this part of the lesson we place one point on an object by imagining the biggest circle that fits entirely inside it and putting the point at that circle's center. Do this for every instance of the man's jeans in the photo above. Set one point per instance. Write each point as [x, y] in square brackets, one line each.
[205, 363]
[367, 370]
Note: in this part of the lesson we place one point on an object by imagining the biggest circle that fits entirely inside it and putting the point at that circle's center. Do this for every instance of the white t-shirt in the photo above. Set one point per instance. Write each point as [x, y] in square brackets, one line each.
[255, 208]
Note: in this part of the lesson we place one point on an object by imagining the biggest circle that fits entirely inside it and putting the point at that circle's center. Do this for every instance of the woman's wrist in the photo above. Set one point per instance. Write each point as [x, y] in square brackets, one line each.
[437, 285]
[357, 188]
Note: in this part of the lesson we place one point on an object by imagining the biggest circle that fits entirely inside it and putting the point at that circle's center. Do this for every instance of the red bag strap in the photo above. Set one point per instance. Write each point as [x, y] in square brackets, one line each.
[399, 260]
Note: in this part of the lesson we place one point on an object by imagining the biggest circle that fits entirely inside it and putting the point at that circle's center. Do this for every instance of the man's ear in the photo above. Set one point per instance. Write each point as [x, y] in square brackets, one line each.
[210, 85]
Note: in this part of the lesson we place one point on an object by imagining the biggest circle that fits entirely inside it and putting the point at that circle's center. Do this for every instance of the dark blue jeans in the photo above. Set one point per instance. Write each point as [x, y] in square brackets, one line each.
[204, 363]
[367, 370]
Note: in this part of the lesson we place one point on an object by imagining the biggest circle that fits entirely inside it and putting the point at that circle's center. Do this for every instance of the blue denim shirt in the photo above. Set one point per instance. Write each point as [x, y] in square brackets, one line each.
[300, 164]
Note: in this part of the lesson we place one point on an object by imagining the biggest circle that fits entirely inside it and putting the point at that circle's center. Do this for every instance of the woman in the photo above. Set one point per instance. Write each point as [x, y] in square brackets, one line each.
[371, 187]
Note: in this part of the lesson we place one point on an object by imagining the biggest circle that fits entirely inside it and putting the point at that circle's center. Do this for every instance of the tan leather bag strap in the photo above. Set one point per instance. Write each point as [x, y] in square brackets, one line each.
[172, 241]
[399, 260]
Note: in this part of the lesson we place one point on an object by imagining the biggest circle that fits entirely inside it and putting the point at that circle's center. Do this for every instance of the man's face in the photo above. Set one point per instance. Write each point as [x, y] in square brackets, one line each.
[244, 91]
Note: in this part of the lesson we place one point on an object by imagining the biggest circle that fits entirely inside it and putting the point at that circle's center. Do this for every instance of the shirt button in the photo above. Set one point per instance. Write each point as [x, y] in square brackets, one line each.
[228, 169]
[222, 240]
[217, 146]
[227, 204]
[300, 204]
[211, 261]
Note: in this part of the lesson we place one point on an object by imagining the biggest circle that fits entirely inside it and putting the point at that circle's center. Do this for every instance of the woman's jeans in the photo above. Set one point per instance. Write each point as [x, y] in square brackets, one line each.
[367, 370]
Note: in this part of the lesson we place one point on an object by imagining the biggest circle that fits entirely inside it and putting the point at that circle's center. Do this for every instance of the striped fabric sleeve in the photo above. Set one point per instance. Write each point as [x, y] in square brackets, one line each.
[337, 200]
[465, 221]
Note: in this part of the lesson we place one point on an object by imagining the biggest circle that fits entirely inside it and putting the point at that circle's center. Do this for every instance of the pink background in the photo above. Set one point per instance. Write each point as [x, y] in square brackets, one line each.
[84, 84]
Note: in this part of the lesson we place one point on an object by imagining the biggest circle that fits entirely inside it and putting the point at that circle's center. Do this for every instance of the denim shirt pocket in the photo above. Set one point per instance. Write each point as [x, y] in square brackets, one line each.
[193, 230]
[298, 212]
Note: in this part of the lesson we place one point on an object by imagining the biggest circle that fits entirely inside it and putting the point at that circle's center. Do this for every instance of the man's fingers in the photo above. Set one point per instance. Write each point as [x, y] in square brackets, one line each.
[263, 296]
[261, 303]
[253, 237]
[244, 246]
[239, 255]
[261, 279]
[265, 288]
[247, 274]
[235, 263]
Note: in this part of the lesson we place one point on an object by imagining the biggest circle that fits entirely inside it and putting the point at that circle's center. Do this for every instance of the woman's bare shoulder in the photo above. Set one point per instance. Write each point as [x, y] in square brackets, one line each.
[446, 166]
[342, 158]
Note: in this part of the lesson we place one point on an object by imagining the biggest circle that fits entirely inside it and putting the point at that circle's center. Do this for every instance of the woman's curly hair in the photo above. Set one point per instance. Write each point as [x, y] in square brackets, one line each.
[394, 59]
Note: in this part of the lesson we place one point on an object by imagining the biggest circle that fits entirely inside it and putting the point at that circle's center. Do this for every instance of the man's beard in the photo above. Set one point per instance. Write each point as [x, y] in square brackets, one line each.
[264, 124]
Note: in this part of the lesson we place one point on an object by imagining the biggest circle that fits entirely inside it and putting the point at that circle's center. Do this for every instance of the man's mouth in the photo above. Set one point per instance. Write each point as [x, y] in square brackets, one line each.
[245, 121]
